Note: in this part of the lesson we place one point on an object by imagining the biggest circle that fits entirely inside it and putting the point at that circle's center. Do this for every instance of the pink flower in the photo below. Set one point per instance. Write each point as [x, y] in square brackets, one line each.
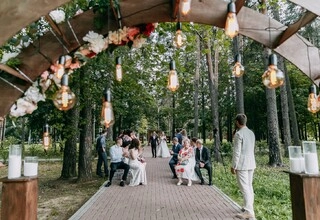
[45, 75]
[133, 32]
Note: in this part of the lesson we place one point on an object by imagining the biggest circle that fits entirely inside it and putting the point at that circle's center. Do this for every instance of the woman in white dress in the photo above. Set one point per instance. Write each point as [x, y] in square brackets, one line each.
[163, 150]
[137, 164]
[186, 163]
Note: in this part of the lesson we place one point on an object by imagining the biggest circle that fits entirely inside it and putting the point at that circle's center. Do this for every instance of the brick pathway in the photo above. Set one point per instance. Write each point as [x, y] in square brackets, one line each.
[161, 199]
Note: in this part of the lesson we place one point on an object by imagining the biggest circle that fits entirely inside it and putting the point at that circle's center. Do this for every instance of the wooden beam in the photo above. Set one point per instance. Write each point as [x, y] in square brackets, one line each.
[17, 14]
[12, 72]
[294, 28]
[311, 5]
[239, 5]
[56, 29]
[175, 9]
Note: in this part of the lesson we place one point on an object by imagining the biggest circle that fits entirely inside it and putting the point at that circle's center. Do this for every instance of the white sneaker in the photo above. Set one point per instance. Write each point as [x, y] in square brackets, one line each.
[244, 215]
[189, 183]
[179, 183]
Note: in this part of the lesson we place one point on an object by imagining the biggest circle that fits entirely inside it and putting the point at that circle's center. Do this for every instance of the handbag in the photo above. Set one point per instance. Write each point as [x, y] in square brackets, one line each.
[185, 162]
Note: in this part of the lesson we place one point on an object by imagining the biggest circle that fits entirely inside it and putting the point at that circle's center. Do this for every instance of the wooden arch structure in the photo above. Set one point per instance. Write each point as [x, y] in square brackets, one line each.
[16, 14]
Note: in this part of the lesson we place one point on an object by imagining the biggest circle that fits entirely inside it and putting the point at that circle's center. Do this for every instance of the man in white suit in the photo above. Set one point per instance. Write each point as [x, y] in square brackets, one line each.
[243, 164]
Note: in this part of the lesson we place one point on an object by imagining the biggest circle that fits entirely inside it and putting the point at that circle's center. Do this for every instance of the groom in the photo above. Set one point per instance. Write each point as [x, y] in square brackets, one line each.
[153, 141]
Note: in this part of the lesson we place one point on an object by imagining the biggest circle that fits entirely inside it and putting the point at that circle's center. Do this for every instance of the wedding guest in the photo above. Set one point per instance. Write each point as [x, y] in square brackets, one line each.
[126, 138]
[179, 136]
[186, 163]
[203, 161]
[116, 155]
[193, 142]
[243, 164]
[137, 166]
[184, 134]
[176, 147]
[102, 154]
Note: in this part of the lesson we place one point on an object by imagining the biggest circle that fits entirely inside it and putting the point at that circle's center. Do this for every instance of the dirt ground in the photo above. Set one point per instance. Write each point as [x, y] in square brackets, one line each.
[59, 199]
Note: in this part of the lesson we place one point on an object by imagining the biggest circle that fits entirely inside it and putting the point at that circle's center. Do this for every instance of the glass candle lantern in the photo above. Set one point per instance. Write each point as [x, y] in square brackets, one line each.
[30, 166]
[310, 157]
[14, 167]
[296, 159]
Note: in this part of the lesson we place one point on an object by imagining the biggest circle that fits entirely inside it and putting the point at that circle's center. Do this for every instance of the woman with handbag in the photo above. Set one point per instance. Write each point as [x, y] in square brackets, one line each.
[186, 163]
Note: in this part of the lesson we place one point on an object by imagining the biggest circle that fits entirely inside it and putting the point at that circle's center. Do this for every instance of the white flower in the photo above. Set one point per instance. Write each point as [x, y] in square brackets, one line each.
[114, 38]
[139, 42]
[58, 16]
[6, 56]
[22, 107]
[79, 12]
[33, 95]
[97, 43]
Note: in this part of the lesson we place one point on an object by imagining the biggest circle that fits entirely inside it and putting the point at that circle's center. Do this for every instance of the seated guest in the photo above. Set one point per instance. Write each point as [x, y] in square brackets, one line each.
[203, 161]
[176, 147]
[193, 143]
[186, 163]
[137, 166]
[116, 155]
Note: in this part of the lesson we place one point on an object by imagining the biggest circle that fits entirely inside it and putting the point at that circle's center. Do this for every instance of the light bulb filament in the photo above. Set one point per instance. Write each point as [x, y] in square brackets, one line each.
[186, 5]
[232, 26]
[118, 72]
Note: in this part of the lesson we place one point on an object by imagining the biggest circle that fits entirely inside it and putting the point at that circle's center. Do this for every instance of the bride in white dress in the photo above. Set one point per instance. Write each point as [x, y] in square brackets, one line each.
[163, 150]
[137, 164]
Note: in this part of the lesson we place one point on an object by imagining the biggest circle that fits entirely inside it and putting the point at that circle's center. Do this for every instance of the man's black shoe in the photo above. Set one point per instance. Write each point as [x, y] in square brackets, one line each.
[210, 184]
[174, 177]
[108, 184]
[122, 183]
[202, 182]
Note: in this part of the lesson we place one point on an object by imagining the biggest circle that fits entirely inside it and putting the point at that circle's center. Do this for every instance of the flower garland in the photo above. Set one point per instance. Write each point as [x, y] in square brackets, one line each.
[133, 37]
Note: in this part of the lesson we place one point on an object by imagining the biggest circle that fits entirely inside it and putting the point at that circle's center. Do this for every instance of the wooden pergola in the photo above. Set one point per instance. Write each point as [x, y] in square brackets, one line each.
[36, 58]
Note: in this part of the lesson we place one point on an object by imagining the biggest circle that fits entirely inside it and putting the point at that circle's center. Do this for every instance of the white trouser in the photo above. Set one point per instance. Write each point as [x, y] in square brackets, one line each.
[244, 178]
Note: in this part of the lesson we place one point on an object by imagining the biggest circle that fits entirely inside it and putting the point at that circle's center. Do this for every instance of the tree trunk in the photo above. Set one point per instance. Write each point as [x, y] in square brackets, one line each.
[273, 129]
[285, 112]
[85, 146]
[196, 90]
[238, 80]
[213, 86]
[70, 146]
[292, 111]
[272, 115]
[203, 112]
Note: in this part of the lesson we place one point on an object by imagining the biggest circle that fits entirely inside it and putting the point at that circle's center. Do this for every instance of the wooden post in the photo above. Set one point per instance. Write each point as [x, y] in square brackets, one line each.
[305, 198]
[19, 198]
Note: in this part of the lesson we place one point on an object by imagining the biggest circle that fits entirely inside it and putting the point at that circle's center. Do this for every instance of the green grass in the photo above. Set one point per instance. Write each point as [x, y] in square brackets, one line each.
[271, 187]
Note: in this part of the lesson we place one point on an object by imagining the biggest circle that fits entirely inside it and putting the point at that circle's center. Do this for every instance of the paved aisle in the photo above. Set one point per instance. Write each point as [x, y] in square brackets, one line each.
[160, 199]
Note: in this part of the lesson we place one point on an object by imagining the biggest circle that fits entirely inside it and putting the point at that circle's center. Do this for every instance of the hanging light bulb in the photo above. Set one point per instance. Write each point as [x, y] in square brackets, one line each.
[238, 69]
[232, 26]
[173, 81]
[118, 69]
[185, 8]
[273, 77]
[46, 137]
[107, 116]
[60, 69]
[312, 100]
[180, 38]
[64, 99]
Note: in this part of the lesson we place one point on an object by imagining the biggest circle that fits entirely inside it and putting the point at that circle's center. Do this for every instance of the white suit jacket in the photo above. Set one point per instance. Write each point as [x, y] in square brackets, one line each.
[243, 150]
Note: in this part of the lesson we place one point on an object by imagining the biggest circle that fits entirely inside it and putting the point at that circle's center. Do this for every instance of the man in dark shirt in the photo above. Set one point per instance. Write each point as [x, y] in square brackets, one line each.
[102, 154]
